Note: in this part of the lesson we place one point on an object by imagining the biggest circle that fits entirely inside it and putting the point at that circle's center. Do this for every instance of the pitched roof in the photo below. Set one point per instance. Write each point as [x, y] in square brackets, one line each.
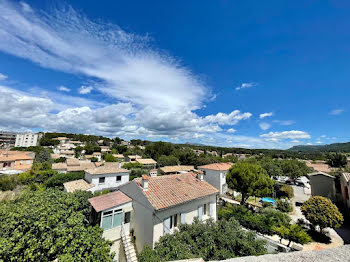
[16, 155]
[146, 161]
[76, 185]
[72, 162]
[59, 166]
[174, 169]
[217, 166]
[67, 152]
[110, 168]
[346, 176]
[320, 173]
[170, 190]
[109, 200]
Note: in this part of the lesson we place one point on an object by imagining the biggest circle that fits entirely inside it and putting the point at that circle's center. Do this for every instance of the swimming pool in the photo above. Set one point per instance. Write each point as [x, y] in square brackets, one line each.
[268, 200]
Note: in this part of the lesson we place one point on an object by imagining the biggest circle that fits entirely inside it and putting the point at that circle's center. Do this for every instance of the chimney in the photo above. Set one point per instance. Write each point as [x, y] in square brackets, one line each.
[144, 182]
[200, 175]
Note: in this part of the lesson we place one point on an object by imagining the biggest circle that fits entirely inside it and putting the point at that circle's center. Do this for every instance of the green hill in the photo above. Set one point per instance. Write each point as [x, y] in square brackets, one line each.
[336, 147]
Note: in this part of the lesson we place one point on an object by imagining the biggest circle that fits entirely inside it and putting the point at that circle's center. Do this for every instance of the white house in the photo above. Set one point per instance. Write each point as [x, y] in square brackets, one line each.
[215, 174]
[28, 139]
[113, 213]
[162, 203]
[108, 176]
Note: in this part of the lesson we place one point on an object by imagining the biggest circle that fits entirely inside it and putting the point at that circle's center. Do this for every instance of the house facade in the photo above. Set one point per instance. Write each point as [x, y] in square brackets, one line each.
[215, 174]
[28, 139]
[16, 160]
[162, 203]
[322, 184]
[108, 176]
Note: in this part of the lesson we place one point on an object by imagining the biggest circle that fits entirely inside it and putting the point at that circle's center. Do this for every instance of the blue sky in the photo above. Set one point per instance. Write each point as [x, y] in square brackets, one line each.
[228, 73]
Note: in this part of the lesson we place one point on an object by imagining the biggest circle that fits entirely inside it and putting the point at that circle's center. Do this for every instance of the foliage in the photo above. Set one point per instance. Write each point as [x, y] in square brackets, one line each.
[293, 233]
[337, 160]
[294, 168]
[262, 222]
[102, 192]
[320, 211]
[272, 167]
[188, 157]
[8, 182]
[77, 137]
[168, 161]
[132, 165]
[110, 158]
[44, 155]
[58, 179]
[90, 148]
[48, 225]
[158, 149]
[94, 159]
[250, 180]
[210, 241]
[284, 205]
[285, 191]
[48, 142]
[77, 151]
[60, 160]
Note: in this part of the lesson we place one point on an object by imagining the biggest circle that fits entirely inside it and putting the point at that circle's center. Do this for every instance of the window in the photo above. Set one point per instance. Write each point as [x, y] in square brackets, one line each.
[183, 218]
[127, 217]
[200, 212]
[111, 219]
[119, 178]
[170, 223]
[101, 180]
[205, 209]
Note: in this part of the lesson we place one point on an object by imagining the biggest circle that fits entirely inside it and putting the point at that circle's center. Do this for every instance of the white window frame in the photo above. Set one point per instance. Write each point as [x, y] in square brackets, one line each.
[114, 211]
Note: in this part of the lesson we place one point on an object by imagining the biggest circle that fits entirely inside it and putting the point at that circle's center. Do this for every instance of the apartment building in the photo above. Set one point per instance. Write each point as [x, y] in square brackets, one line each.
[7, 139]
[27, 139]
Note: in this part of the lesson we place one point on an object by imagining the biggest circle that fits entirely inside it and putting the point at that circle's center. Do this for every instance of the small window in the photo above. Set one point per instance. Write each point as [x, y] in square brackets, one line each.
[205, 209]
[127, 218]
[119, 178]
[101, 180]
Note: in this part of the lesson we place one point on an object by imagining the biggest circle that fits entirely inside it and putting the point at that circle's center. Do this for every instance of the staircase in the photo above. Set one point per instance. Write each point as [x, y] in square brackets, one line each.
[129, 247]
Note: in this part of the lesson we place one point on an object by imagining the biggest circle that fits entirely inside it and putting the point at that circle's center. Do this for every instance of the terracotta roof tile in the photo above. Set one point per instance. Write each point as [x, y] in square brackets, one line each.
[174, 169]
[107, 168]
[217, 166]
[109, 200]
[76, 185]
[146, 161]
[170, 190]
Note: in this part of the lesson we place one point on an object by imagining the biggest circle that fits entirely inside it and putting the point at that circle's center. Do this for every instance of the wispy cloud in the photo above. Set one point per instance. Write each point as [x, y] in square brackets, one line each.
[284, 122]
[231, 130]
[262, 116]
[264, 126]
[85, 90]
[63, 88]
[245, 85]
[3, 77]
[336, 112]
[293, 134]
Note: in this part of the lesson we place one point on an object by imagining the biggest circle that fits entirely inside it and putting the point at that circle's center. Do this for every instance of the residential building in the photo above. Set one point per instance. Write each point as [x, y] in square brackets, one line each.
[147, 162]
[171, 170]
[153, 172]
[198, 152]
[73, 164]
[105, 149]
[215, 174]
[322, 184]
[120, 157]
[227, 155]
[28, 139]
[107, 176]
[67, 153]
[162, 203]
[113, 212]
[132, 158]
[7, 139]
[345, 190]
[77, 185]
[62, 140]
[15, 161]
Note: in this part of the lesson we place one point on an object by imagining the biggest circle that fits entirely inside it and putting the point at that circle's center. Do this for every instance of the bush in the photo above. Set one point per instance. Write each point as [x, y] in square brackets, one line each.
[284, 205]
[208, 240]
[58, 179]
[285, 191]
[110, 158]
[8, 182]
[132, 165]
[293, 233]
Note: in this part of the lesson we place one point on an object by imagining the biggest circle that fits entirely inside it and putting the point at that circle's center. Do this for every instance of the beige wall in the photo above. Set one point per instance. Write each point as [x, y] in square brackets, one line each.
[322, 185]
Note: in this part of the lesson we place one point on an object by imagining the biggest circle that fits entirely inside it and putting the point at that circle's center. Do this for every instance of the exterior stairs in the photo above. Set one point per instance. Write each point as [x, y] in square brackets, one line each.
[129, 247]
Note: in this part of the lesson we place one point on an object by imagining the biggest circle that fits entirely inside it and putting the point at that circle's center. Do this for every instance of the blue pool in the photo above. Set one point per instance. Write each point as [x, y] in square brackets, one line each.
[268, 200]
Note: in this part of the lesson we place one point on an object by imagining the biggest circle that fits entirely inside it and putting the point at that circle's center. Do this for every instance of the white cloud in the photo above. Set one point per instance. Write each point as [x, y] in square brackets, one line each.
[85, 90]
[63, 88]
[231, 130]
[264, 126]
[293, 134]
[295, 141]
[336, 112]
[261, 116]
[228, 119]
[3, 77]
[245, 85]
[284, 122]
[319, 142]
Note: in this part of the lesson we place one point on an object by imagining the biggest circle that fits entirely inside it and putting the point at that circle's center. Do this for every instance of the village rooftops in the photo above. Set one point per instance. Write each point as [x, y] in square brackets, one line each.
[171, 190]
[217, 166]
[146, 161]
[109, 200]
[73, 162]
[174, 169]
[60, 138]
[110, 168]
[76, 185]
[8, 156]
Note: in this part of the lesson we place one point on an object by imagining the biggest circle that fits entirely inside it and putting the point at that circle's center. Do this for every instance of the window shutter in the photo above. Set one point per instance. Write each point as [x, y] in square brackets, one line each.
[211, 209]
[166, 226]
[200, 212]
[183, 218]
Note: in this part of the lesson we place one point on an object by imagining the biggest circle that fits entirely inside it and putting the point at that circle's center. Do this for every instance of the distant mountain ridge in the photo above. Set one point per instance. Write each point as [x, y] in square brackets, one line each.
[336, 147]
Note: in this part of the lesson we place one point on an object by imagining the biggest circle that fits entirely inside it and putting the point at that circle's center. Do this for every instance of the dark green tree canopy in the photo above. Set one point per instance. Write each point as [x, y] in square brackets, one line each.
[249, 179]
[337, 160]
[168, 160]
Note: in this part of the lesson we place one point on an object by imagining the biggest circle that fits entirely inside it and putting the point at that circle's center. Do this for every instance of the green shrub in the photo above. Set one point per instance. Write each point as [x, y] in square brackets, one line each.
[285, 191]
[58, 179]
[8, 182]
[284, 205]
[110, 158]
